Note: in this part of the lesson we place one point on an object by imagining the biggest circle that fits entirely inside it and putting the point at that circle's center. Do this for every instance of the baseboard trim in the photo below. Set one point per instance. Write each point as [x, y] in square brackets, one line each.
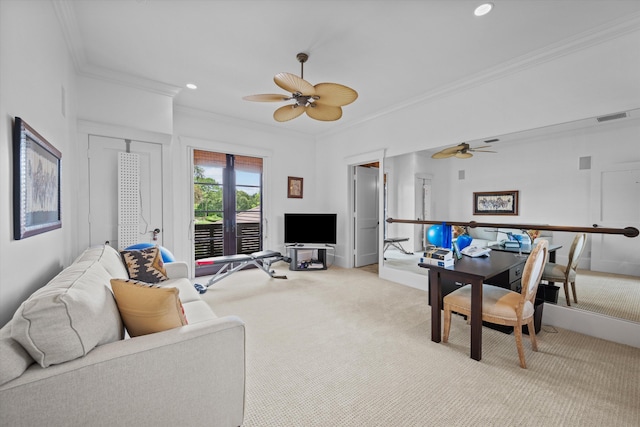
[574, 319]
[592, 324]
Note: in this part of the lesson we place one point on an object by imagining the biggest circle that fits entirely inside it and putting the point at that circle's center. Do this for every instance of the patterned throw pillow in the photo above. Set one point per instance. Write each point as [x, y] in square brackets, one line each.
[145, 265]
[146, 308]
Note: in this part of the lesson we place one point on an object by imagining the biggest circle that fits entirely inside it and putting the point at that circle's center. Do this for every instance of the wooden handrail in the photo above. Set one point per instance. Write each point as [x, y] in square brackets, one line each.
[627, 231]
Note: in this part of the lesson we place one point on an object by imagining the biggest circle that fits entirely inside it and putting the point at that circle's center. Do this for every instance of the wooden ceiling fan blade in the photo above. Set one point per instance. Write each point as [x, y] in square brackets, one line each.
[288, 112]
[266, 97]
[441, 155]
[453, 150]
[334, 94]
[463, 155]
[483, 151]
[294, 84]
[325, 113]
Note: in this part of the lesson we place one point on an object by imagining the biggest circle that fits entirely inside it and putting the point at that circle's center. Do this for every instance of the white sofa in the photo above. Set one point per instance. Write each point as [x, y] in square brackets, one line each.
[484, 236]
[191, 375]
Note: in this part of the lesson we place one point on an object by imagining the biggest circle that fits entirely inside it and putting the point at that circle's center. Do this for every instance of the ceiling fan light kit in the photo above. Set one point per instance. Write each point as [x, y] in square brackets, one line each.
[323, 101]
[461, 151]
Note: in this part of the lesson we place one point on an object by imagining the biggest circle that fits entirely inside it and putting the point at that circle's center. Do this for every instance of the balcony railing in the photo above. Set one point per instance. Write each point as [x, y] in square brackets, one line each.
[209, 240]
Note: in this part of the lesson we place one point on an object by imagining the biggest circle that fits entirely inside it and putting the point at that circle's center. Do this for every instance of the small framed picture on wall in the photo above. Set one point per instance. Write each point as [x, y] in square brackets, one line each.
[294, 187]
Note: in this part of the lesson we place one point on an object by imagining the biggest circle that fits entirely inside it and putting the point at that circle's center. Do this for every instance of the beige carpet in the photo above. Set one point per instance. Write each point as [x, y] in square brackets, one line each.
[609, 294]
[344, 348]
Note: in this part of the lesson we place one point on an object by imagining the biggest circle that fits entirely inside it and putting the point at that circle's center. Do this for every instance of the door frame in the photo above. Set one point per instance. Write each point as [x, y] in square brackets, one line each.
[595, 242]
[350, 163]
[360, 172]
[185, 212]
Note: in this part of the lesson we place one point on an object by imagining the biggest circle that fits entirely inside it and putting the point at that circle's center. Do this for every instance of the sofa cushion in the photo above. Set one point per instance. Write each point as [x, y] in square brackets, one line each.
[68, 317]
[187, 292]
[15, 359]
[198, 311]
[145, 265]
[108, 257]
[146, 308]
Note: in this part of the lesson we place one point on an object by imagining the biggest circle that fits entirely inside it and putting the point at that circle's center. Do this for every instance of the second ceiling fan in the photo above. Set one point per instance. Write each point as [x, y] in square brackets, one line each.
[321, 102]
[461, 151]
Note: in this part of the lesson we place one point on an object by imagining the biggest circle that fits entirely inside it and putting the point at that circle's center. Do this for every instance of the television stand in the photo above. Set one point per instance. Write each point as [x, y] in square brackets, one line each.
[308, 257]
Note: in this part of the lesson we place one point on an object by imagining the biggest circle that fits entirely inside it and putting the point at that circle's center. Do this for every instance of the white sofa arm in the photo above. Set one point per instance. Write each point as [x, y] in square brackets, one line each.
[148, 380]
[177, 270]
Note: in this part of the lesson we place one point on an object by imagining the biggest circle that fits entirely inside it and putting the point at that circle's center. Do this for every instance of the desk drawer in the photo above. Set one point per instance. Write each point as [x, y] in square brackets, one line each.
[509, 279]
[515, 273]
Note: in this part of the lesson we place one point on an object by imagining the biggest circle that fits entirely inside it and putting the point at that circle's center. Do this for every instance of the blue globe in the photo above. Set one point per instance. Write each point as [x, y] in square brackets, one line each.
[167, 256]
[434, 235]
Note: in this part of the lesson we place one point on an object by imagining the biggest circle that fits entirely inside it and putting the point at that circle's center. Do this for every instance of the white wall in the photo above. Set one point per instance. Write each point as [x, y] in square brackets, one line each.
[35, 71]
[543, 168]
[104, 101]
[561, 87]
[285, 154]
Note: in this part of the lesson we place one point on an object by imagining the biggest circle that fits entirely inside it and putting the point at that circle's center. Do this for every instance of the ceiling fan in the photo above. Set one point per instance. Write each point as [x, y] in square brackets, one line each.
[321, 102]
[461, 151]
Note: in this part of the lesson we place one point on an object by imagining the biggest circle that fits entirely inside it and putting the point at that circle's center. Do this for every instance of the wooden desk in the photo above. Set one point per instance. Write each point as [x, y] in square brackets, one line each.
[474, 271]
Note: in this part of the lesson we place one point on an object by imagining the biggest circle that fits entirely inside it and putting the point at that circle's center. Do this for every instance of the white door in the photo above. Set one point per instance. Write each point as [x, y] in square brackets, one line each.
[103, 189]
[366, 216]
[616, 203]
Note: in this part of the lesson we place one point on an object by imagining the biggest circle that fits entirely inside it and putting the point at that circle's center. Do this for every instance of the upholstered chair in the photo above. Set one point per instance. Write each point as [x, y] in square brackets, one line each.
[503, 306]
[567, 273]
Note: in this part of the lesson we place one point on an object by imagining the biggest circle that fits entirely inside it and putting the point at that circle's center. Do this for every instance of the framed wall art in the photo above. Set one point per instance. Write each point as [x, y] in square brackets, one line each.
[294, 187]
[495, 203]
[36, 182]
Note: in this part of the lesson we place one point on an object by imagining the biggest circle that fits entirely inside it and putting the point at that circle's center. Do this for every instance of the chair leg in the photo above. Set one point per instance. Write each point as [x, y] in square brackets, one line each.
[566, 293]
[573, 288]
[517, 330]
[447, 324]
[532, 335]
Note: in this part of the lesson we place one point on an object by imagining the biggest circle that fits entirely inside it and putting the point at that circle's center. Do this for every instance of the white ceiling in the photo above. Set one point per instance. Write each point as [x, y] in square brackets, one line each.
[393, 53]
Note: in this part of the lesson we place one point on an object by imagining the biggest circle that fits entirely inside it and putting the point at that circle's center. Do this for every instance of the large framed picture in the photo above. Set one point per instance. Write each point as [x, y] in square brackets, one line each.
[36, 182]
[495, 203]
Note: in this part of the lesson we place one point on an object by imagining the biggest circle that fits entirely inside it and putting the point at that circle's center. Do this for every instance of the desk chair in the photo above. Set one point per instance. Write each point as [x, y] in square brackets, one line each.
[567, 274]
[503, 306]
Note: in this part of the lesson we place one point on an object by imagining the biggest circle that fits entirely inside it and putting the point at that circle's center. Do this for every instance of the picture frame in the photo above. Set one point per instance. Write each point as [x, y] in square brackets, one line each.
[36, 182]
[495, 203]
[294, 187]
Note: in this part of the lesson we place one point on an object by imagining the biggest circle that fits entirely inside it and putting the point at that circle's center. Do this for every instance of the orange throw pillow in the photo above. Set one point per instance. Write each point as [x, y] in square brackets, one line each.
[146, 308]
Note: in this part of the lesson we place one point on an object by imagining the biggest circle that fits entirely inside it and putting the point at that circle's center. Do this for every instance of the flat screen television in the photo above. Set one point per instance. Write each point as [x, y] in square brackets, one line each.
[311, 228]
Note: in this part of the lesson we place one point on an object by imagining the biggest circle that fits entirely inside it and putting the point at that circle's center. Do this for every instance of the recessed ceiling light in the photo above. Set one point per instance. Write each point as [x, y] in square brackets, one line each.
[191, 86]
[483, 9]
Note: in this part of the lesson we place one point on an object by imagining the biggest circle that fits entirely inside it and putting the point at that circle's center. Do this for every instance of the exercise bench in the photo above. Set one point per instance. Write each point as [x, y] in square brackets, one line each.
[396, 243]
[262, 260]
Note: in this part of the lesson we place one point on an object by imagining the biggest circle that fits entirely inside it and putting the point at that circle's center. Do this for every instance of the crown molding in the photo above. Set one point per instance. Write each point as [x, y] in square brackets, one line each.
[66, 14]
[597, 35]
[112, 76]
[65, 11]
[233, 121]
